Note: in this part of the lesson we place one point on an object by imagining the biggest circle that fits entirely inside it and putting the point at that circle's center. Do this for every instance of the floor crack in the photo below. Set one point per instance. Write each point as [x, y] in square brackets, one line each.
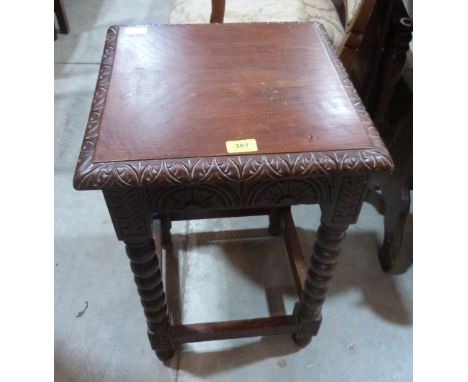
[79, 314]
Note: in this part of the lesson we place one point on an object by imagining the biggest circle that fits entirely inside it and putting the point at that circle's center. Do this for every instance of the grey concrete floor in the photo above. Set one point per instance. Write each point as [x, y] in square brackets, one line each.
[236, 271]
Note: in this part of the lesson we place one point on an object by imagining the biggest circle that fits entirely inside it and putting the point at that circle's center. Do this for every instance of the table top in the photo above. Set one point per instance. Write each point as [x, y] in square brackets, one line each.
[214, 102]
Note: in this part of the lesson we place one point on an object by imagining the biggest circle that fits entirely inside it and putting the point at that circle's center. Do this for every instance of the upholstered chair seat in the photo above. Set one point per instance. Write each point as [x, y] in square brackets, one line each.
[249, 11]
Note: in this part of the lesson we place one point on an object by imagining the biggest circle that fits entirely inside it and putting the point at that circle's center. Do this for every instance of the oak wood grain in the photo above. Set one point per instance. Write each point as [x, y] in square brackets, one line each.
[183, 91]
[210, 331]
[288, 162]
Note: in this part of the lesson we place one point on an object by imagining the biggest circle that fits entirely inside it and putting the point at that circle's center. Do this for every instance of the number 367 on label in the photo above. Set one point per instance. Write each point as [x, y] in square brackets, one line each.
[242, 146]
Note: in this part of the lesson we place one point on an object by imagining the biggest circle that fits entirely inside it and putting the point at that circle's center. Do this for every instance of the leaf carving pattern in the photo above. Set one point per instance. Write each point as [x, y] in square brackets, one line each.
[94, 175]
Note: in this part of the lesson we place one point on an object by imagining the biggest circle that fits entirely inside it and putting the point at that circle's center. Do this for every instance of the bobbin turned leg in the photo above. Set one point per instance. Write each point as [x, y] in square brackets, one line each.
[308, 311]
[145, 266]
[342, 210]
[133, 224]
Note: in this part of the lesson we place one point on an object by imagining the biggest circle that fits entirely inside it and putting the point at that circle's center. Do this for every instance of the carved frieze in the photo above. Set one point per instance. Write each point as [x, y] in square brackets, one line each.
[349, 201]
[127, 209]
[254, 194]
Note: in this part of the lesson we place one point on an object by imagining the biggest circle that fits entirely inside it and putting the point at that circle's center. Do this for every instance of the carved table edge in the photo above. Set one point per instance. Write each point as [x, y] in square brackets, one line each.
[90, 175]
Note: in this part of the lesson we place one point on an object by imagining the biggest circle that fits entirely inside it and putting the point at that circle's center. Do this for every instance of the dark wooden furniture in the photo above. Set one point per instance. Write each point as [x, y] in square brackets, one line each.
[389, 100]
[390, 194]
[174, 104]
[374, 55]
[62, 19]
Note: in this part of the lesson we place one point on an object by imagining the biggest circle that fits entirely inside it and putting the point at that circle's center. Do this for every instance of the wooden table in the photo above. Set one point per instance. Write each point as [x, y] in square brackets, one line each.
[198, 121]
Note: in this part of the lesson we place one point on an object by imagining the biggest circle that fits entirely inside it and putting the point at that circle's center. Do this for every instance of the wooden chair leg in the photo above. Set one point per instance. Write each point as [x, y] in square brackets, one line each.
[217, 11]
[62, 18]
[396, 194]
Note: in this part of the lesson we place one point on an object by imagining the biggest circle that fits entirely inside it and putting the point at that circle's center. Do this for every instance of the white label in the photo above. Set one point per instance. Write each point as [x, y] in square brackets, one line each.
[242, 146]
[136, 30]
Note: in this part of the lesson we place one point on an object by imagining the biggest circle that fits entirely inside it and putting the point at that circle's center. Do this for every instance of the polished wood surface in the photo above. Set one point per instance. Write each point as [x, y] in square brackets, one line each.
[304, 126]
[183, 91]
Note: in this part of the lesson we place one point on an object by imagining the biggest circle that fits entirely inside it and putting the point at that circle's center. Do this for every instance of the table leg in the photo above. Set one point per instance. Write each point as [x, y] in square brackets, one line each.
[133, 222]
[274, 226]
[145, 266]
[342, 210]
[308, 311]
